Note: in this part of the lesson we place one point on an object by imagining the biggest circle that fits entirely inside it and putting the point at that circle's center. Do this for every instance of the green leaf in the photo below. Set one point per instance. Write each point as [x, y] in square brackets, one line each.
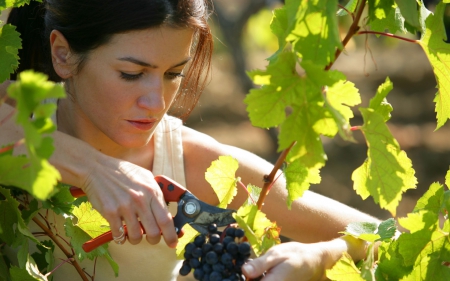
[432, 199]
[78, 237]
[14, 3]
[363, 230]
[90, 220]
[298, 180]
[38, 177]
[391, 265]
[316, 25]
[221, 176]
[379, 102]
[254, 193]
[394, 22]
[350, 6]
[387, 172]
[61, 202]
[30, 272]
[266, 106]
[188, 236]
[379, 9]
[21, 274]
[4, 268]
[44, 258]
[344, 270]
[438, 53]
[260, 231]
[410, 11]
[387, 229]
[10, 44]
[339, 98]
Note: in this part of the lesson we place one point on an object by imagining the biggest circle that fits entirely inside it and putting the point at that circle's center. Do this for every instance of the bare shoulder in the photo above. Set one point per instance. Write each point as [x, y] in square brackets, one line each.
[200, 150]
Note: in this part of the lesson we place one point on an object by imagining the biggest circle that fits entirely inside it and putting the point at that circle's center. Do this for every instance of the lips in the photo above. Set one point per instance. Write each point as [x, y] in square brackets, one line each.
[142, 124]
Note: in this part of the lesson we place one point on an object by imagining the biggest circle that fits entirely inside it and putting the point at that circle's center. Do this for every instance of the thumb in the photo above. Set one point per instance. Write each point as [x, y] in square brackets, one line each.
[256, 267]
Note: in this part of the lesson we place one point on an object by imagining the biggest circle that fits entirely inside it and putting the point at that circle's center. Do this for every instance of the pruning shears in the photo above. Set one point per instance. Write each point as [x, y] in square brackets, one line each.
[190, 210]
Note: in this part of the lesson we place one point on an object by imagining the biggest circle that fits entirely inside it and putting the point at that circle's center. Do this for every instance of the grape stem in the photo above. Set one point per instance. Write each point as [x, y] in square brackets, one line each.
[269, 179]
[388, 35]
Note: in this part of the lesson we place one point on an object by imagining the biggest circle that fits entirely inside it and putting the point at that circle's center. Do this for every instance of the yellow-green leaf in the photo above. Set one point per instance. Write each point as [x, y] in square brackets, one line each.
[344, 270]
[221, 177]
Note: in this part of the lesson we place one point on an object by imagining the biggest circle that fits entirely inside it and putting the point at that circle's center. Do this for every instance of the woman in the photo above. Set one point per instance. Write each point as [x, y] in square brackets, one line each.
[124, 65]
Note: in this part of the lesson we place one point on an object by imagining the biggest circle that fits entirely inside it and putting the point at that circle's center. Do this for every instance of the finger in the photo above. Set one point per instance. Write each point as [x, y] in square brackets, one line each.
[152, 232]
[118, 232]
[258, 266]
[134, 229]
[165, 222]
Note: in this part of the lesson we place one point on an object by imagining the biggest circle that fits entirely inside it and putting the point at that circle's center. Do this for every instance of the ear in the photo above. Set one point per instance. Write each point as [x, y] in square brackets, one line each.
[61, 55]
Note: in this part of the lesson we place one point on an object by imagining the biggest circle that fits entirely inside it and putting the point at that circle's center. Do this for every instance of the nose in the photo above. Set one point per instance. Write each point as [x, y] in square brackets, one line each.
[152, 98]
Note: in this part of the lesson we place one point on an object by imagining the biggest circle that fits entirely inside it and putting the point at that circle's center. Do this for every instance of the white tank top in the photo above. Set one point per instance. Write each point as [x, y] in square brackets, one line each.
[142, 261]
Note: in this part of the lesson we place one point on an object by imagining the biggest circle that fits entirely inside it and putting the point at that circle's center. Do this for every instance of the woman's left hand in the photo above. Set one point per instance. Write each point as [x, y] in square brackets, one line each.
[288, 261]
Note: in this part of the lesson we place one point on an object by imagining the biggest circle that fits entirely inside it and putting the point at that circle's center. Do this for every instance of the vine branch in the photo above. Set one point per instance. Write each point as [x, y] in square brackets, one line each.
[63, 249]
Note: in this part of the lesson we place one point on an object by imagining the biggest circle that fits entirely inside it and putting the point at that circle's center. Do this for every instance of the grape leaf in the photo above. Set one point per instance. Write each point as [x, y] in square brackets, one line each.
[44, 258]
[90, 220]
[298, 180]
[387, 229]
[344, 270]
[11, 216]
[38, 177]
[188, 236]
[379, 102]
[61, 202]
[432, 199]
[362, 230]
[410, 11]
[394, 22]
[387, 172]
[379, 9]
[438, 53]
[316, 25]
[266, 106]
[340, 96]
[10, 44]
[221, 177]
[78, 237]
[350, 6]
[14, 3]
[260, 231]
[253, 194]
[30, 272]
[391, 265]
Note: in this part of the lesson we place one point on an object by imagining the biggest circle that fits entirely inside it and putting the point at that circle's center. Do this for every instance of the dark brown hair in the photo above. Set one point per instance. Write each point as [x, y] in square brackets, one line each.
[88, 24]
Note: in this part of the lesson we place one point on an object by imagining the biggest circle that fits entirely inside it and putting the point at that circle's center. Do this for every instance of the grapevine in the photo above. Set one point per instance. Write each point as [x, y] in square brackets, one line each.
[301, 94]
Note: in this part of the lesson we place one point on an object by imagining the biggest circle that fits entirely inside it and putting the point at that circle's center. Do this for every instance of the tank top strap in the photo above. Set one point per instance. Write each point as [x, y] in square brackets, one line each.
[168, 157]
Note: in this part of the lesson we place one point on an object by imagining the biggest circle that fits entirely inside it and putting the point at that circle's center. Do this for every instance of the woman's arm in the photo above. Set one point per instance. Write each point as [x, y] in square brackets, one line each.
[314, 221]
[119, 190]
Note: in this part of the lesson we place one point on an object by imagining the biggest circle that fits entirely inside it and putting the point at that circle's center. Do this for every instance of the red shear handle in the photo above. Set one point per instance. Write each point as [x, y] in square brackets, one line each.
[171, 189]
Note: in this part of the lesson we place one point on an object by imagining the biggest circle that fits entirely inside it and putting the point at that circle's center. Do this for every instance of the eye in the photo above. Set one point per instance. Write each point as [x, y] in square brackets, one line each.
[130, 77]
[174, 75]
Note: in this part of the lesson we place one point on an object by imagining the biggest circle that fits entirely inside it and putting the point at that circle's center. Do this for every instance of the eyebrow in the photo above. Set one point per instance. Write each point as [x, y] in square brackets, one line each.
[146, 64]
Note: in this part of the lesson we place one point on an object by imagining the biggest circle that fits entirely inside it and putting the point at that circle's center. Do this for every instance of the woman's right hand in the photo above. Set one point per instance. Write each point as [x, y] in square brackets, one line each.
[125, 193]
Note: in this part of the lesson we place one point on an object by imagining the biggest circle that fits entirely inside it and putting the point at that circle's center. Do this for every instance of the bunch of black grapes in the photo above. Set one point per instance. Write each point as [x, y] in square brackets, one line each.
[217, 256]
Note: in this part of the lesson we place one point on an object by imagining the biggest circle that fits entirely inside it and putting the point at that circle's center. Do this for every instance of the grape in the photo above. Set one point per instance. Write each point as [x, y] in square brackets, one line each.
[217, 256]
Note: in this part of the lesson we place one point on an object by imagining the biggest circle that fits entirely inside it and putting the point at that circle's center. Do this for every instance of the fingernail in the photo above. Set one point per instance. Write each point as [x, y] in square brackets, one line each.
[249, 269]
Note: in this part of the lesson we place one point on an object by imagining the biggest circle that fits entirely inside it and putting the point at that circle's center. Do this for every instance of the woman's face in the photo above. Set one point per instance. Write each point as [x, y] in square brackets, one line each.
[126, 86]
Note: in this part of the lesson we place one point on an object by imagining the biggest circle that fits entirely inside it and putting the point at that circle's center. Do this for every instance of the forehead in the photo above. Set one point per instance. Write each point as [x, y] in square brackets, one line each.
[157, 45]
